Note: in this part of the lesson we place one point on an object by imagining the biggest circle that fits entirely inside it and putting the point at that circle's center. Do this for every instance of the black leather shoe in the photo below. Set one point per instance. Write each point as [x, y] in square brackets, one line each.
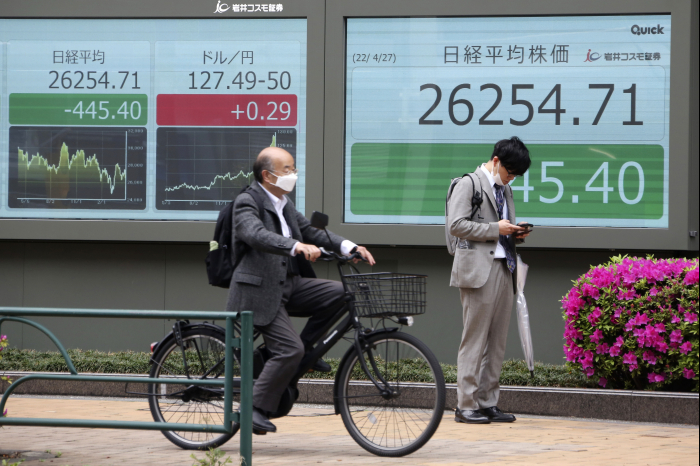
[496, 415]
[470, 416]
[321, 366]
[261, 422]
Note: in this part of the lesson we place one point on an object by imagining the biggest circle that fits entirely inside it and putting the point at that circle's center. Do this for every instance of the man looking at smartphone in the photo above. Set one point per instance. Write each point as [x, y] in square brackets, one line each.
[484, 270]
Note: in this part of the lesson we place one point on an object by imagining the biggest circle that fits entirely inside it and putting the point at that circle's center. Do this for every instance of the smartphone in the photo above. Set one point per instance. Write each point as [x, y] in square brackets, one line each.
[529, 227]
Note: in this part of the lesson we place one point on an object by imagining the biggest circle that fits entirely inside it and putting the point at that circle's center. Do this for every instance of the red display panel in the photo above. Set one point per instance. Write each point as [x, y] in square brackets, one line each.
[226, 110]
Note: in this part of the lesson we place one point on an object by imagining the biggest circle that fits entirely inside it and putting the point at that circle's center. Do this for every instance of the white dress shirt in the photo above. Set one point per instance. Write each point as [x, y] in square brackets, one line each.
[345, 247]
[500, 252]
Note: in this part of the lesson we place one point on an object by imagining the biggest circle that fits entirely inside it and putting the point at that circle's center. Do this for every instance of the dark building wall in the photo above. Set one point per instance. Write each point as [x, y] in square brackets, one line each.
[172, 276]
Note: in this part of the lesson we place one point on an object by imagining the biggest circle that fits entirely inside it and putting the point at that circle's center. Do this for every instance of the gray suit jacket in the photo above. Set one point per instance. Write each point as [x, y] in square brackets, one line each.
[473, 257]
[257, 281]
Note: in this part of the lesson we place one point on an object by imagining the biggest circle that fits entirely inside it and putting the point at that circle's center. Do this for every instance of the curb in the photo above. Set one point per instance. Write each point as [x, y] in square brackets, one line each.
[613, 405]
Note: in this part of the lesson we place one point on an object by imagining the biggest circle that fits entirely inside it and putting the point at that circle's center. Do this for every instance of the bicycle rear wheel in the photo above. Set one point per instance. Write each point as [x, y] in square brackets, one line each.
[398, 424]
[204, 353]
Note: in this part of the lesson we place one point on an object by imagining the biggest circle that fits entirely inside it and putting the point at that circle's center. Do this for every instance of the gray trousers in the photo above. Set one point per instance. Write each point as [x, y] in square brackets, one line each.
[486, 316]
[302, 297]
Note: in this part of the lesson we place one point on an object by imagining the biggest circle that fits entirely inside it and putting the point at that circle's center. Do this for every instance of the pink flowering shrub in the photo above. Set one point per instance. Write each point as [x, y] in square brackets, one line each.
[633, 323]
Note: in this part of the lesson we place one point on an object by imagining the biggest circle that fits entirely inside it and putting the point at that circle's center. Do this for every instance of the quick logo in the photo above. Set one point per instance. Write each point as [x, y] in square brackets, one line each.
[638, 30]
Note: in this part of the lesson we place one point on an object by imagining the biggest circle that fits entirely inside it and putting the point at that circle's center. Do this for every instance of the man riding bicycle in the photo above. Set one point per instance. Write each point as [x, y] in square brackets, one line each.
[274, 279]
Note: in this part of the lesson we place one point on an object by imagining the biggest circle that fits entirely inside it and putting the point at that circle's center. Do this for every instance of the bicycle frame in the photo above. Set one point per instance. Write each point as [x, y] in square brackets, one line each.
[350, 322]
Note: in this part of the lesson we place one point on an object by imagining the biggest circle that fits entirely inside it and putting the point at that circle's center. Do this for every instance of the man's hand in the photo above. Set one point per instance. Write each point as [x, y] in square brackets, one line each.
[366, 255]
[524, 233]
[309, 251]
[507, 228]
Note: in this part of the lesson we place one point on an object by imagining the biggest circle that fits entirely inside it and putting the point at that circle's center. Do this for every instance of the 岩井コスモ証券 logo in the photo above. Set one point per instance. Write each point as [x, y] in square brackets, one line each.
[591, 56]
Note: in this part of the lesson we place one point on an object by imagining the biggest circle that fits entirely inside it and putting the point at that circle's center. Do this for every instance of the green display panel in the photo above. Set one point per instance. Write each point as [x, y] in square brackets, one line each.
[79, 109]
[427, 99]
[568, 181]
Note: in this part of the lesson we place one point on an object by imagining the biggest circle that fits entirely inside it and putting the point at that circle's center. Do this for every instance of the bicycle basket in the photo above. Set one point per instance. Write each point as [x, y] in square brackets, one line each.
[387, 294]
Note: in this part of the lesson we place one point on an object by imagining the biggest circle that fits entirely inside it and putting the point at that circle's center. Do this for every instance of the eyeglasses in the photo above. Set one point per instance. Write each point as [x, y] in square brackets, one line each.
[288, 172]
[511, 173]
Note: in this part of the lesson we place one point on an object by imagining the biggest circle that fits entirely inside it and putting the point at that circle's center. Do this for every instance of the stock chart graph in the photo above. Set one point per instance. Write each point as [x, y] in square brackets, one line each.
[77, 168]
[204, 168]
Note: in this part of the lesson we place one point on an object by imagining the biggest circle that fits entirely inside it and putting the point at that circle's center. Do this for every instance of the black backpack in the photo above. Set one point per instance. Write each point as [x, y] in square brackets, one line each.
[220, 263]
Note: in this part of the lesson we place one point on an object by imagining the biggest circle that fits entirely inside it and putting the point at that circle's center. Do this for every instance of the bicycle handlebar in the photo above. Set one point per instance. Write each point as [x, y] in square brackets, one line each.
[330, 255]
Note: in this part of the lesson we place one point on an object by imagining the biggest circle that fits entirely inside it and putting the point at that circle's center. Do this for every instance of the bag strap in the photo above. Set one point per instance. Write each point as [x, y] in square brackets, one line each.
[256, 197]
[477, 196]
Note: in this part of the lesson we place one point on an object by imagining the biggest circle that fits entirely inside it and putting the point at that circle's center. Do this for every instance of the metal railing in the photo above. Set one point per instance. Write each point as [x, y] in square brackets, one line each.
[245, 343]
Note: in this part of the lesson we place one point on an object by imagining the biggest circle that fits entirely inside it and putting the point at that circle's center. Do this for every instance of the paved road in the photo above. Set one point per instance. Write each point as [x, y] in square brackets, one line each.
[312, 435]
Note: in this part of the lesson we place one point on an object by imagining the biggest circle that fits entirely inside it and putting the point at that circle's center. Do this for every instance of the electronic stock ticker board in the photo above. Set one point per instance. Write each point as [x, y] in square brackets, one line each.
[427, 98]
[145, 119]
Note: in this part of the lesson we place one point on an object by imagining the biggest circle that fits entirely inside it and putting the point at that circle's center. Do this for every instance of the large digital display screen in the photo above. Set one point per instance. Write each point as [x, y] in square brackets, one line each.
[427, 99]
[145, 119]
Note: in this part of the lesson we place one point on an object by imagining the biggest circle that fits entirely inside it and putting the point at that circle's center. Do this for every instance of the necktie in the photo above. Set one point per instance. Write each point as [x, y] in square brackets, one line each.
[503, 239]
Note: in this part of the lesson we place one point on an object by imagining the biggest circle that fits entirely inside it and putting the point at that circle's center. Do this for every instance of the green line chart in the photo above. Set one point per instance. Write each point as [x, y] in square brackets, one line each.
[204, 168]
[77, 168]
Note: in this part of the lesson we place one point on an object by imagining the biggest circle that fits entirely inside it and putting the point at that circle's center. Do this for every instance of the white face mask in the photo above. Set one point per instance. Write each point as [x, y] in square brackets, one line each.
[496, 173]
[286, 182]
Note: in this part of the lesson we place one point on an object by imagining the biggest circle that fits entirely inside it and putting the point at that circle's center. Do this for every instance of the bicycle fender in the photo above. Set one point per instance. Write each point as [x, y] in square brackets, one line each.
[170, 336]
[348, 354]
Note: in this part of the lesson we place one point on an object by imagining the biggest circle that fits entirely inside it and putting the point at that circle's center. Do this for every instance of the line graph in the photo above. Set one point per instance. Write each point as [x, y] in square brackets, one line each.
[217, 178]
[86, 170]
[77, 168]
[204, 168]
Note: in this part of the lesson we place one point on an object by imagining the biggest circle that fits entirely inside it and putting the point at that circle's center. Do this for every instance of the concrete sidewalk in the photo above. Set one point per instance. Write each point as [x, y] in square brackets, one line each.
[313, 435]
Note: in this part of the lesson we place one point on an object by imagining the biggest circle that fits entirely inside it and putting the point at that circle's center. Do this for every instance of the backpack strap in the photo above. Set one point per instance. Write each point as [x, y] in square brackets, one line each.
[256, 197]
[477, 195]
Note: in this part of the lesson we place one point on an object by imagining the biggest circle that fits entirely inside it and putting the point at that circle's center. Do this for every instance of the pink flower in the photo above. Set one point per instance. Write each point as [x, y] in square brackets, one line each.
[627, 295]
[590, 290]
[587, 360]
[656, 377]
[660, 327]
[594, 316]
[589, 372]
[572, 333]
[633, 367]
[602, 349]
[691, 278]
[5, 413]
[690, 317]
[572, 351]
[649, 357]
[629, 358]
[688, 373]
[603, 381]
[619, 341]
[653, 292]
[675, 319]
[615, 350]
[686, 347]
[661, 347]
[676, 336]
[602, 278]
[573, 302]
[597, 336]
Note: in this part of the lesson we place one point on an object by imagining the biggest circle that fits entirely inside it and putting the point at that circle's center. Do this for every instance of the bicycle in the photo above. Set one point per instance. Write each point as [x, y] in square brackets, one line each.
[384, 410]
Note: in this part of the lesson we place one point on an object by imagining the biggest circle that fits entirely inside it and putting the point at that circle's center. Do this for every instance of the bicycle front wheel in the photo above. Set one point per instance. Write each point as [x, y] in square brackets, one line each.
[402, 422]
[205, 359]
